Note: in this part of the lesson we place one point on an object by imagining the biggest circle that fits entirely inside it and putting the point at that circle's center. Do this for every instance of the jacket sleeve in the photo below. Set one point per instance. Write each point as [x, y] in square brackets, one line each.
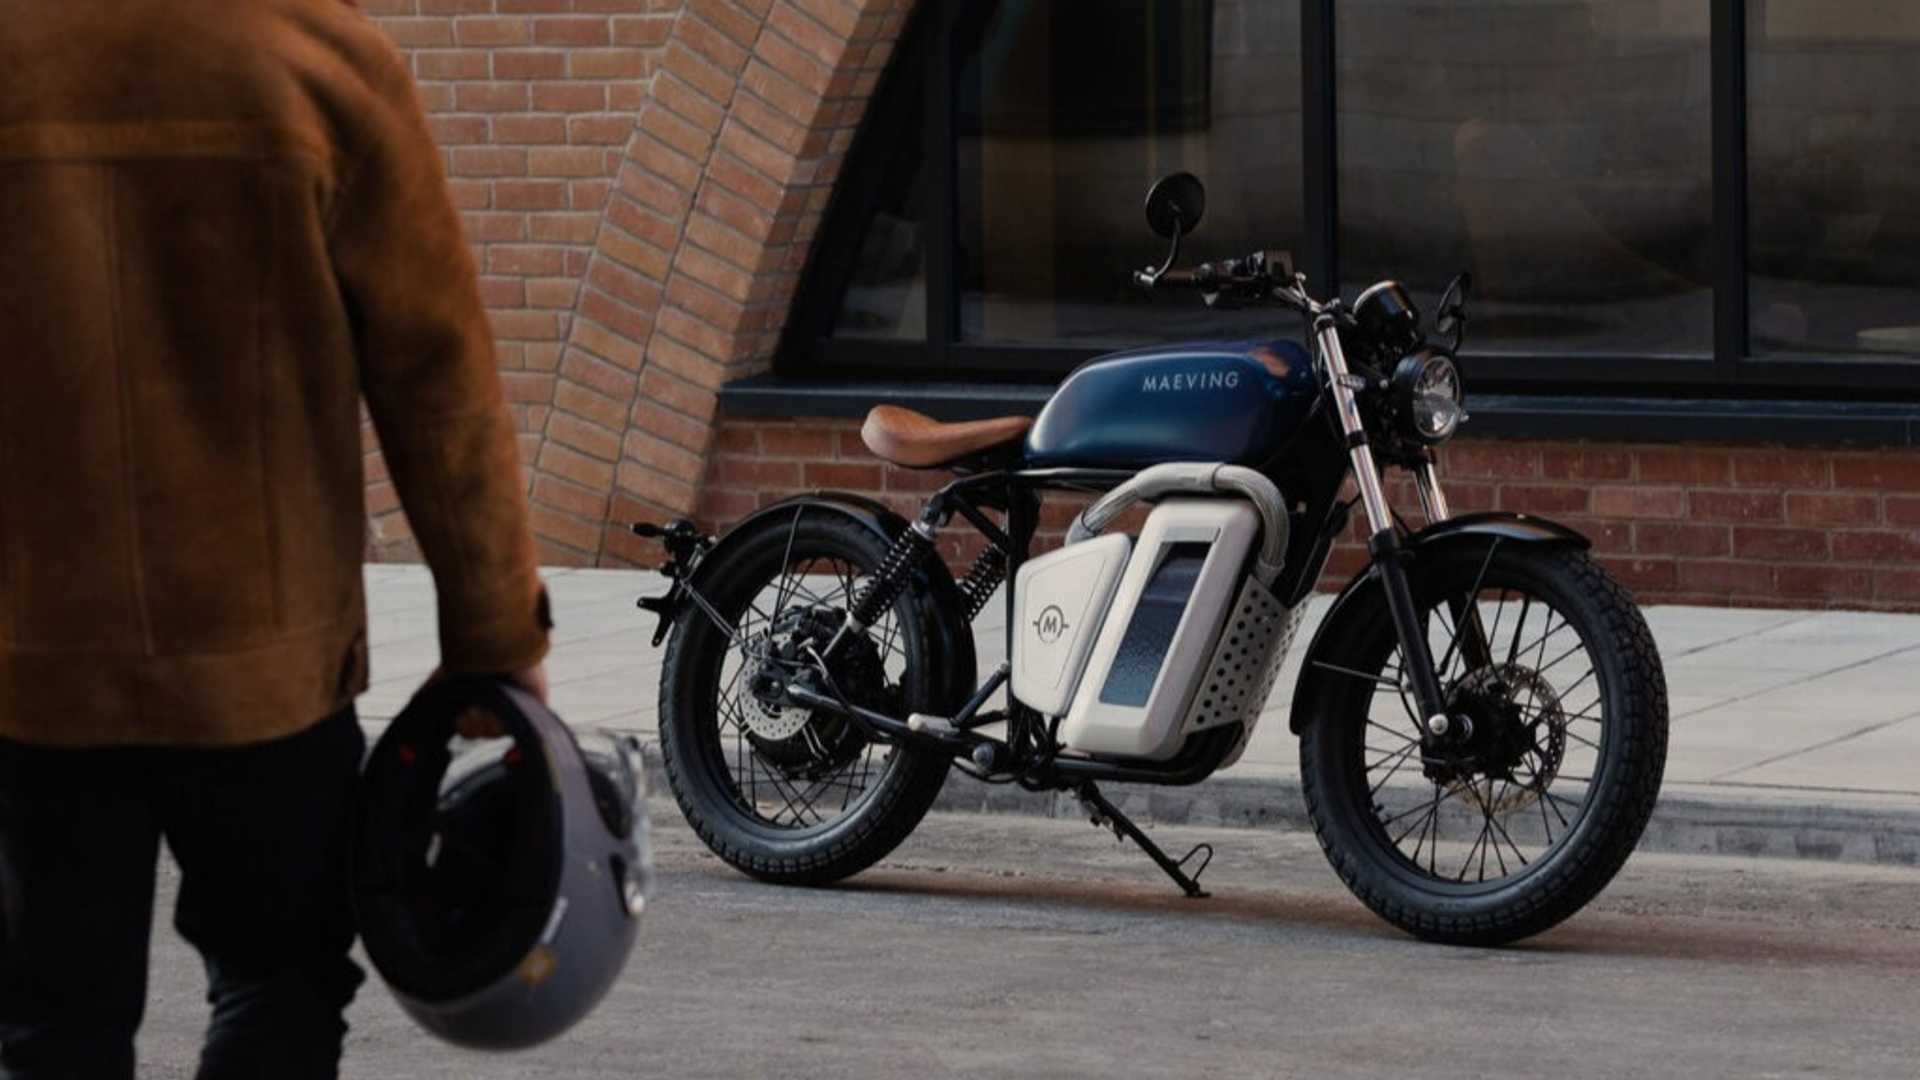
[426, 364]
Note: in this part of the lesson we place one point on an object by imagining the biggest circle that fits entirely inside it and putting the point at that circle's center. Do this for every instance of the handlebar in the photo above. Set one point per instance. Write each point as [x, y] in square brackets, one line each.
[1200, 276]
[1263, 275]
[1225, 274]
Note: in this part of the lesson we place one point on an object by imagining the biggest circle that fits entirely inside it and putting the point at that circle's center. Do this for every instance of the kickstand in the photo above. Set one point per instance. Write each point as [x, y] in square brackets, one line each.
[1107, 814]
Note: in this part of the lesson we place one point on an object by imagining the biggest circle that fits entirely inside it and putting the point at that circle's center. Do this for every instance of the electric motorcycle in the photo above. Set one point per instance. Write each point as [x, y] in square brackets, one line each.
[1481, 713]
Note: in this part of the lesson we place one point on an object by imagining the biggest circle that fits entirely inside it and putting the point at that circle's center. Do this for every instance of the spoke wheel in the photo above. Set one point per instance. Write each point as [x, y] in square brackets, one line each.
[1514, 785]
[781, 791]
[1542, 786]
[788, 767]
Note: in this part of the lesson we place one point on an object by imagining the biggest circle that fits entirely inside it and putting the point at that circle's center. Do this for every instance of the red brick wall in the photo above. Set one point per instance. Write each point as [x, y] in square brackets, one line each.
[642, 178]
[532, 103]
[1736, 525]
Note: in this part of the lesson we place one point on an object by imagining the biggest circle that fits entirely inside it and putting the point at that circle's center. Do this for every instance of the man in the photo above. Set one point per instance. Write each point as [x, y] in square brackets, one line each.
[222, 222]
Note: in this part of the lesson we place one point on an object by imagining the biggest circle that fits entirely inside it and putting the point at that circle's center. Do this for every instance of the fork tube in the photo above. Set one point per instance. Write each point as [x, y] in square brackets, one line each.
[1470, 630]
[1384, 542]
[1433, 501]
[1365, 472]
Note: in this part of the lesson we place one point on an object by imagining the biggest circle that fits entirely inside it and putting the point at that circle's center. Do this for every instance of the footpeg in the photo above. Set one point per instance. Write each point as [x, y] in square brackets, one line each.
[932, 725]
[967, 717]
[1104, 814]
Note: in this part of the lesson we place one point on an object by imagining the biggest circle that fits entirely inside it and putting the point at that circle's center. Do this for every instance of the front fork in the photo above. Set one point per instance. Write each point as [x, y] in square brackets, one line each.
[1383, 540]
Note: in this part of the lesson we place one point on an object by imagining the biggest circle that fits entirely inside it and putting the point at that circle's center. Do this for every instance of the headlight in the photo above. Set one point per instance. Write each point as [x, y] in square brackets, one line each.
[1428, 397]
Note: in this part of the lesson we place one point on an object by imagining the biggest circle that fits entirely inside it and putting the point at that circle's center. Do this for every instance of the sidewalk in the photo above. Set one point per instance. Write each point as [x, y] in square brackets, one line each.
[1793, 733]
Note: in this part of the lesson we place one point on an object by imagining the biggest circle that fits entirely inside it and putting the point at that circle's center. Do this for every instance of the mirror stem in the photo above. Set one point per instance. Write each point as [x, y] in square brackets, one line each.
[1173, 254]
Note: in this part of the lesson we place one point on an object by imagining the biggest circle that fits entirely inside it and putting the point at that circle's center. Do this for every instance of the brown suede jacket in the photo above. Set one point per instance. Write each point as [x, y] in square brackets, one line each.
[222, 222]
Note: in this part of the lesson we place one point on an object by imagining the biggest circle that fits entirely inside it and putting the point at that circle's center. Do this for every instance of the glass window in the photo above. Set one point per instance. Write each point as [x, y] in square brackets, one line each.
[1067, 110]
[886, 290]
[1832, 152]
[1558, 149]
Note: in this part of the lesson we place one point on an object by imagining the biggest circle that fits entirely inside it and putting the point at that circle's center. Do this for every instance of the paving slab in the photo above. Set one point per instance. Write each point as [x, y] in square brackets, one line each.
[1793, 732]
[1884, 758]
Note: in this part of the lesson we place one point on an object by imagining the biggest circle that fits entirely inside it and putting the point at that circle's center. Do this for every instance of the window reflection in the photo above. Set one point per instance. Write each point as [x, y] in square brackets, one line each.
[886, 293]
[1833, 149]
[1560, 149]
[1067, 110]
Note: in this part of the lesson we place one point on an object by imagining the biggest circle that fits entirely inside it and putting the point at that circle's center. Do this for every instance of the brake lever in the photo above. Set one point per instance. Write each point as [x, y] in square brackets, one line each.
[1221, 300]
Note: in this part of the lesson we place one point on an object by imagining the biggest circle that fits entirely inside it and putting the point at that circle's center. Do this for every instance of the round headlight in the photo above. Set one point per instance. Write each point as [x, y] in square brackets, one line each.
[1428, 396]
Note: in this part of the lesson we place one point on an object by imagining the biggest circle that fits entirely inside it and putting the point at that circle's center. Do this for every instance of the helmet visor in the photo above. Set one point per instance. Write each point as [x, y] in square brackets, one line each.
[617, 777]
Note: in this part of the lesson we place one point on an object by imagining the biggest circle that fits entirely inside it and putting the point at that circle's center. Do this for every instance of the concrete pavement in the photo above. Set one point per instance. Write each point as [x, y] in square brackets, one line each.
[1017, 947]
[1794, 733]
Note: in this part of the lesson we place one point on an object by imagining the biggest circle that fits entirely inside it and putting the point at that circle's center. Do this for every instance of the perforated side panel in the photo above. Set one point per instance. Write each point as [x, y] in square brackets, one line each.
[1240, 675]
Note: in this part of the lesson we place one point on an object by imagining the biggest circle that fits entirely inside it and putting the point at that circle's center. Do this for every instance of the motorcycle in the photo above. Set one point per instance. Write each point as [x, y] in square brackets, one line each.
[1481, 712]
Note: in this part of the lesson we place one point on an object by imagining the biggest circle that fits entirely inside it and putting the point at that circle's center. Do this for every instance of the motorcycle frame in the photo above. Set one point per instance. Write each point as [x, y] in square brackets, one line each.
[1029, 746]
[1306, 469]
[1310, 468]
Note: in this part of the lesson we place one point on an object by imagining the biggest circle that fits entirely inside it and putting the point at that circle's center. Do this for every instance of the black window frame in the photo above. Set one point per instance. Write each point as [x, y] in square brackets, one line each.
[926, 53]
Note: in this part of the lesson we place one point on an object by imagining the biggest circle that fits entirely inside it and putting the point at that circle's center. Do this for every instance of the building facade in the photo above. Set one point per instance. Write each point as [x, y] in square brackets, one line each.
[713, 232]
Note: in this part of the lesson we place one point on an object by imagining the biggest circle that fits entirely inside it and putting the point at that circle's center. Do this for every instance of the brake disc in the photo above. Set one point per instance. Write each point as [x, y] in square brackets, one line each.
[767, 719]
[1532, 746]
[803, 741]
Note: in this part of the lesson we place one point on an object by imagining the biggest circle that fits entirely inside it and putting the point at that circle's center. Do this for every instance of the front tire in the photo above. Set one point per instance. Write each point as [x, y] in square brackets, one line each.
[1533, 815]
[797, 798]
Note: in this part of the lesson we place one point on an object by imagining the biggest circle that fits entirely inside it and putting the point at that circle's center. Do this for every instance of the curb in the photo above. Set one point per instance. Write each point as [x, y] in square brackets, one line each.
[1682, 824]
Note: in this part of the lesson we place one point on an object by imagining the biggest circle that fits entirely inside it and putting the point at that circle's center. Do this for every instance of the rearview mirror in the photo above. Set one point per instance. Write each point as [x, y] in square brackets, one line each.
[1450, 315]
[1175, 204]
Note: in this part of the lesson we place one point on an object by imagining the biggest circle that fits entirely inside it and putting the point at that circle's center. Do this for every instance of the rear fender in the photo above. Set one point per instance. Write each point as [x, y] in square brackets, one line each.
[1363, 602]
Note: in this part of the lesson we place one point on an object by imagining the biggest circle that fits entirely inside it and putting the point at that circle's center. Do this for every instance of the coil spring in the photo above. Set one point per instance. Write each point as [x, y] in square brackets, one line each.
[989, 569]
[903, 558]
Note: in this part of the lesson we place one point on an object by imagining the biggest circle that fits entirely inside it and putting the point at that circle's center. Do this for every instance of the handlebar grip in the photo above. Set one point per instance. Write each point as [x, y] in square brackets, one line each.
[1180, 277]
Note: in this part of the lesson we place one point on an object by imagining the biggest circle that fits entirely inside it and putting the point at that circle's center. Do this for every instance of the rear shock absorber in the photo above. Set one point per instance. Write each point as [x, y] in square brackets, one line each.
[989, 569]
[909, 549]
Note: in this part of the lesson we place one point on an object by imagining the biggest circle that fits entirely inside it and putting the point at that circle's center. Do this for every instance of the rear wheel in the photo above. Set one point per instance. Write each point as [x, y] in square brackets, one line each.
[1535, 801]
[779, 792]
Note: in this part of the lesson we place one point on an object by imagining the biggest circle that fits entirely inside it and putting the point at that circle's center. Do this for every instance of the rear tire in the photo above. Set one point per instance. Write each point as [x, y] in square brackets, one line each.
[729, 786]
[1615, 716]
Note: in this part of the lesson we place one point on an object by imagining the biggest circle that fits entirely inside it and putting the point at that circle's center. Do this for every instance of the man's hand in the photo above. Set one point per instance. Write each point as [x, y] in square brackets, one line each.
[478, 724]
[533, 680]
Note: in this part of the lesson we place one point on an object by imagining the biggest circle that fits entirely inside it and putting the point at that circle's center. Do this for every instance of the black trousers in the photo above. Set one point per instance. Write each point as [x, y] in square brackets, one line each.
[261, 834]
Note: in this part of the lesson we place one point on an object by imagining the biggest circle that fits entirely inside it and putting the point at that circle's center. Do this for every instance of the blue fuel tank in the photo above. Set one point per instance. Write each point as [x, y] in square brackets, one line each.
[1214, 401]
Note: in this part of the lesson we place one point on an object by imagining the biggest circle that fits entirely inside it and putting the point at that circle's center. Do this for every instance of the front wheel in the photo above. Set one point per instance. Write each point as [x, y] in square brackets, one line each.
[1530, 806]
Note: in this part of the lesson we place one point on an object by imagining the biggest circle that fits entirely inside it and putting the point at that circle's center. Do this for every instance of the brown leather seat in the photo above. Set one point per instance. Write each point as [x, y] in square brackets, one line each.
[908, 438]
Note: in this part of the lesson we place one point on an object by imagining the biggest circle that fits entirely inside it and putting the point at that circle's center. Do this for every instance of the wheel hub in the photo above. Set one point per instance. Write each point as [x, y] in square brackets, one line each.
[800, 740]
[766, 714]
[1517, 733]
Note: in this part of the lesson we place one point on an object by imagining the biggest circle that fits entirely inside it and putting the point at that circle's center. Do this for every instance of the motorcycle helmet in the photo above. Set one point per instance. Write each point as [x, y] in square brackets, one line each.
[500, 868]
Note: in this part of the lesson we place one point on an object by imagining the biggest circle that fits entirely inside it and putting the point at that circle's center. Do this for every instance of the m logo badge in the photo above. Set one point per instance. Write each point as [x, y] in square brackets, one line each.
[1050, 625]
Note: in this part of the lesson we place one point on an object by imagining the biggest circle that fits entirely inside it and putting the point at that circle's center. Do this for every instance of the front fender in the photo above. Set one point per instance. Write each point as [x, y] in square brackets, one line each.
[1363, 601]
[952, 636]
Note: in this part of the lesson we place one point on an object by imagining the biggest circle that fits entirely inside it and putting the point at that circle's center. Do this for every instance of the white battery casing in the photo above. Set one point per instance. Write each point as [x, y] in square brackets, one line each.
[1061, 599]
[1154, 645]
